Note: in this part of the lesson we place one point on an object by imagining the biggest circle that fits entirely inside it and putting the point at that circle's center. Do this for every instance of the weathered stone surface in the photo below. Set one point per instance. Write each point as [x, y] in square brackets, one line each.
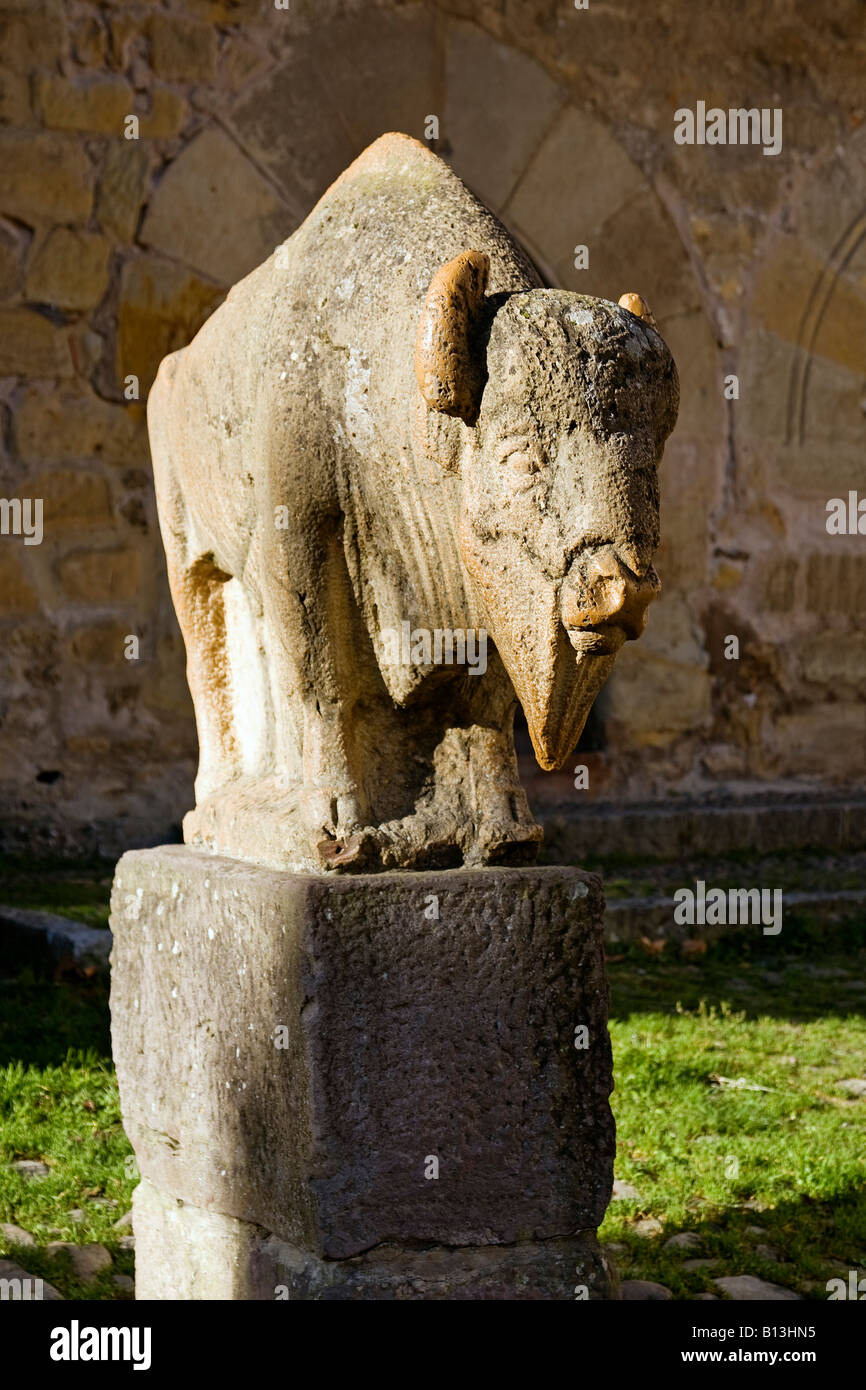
[15, 107]
[271, 119]
[101, 645]
[15, 1234]
[18, 593]
[555, 213]
[87, 1260]
[182, 50]
[11, 260]
[828, 661]
[357, 346]
[683, 1240]
[485, 84]
[161, 306]
[30, 1168]
[56, 426]
[122, 186]
[213, 210]
[360, 48]
[96, 104]
[644, 1291]
[70, 269]
[32, 32]
[100, 576]
[89, 41]
[833, 747]
[836, 582]
[407, 1038]
[650, 723]
[743, 1287]
[185, 1253]
[31, 345]
[167, 115]
[17, 1284]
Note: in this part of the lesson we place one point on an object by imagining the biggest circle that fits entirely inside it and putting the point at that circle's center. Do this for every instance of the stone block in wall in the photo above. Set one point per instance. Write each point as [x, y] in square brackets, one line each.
[17, 594]
[358, 50]
[32, 345]
[485, 84]
[122, 188]
[12, 251]
[69, 269]
[182, 50]
[97, 104]
[72, 498]
[51, 426]
[213, 210]
[46, 177]
[100, 576]
[161, 307]
[292, 129]
[166, 117]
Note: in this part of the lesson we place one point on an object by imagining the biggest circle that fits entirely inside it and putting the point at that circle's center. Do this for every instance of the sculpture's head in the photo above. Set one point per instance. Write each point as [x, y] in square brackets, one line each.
[567, 402]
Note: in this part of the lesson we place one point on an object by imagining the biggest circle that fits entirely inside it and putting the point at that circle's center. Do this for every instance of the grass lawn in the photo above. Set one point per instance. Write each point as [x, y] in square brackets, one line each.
[770, 1179]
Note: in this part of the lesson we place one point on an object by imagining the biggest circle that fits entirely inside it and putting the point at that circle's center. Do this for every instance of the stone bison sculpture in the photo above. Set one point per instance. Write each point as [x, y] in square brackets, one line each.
[402, 485]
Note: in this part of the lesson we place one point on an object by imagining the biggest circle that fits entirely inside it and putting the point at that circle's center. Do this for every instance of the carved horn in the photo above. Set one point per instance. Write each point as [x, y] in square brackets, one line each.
[639, 307]
[449, 373]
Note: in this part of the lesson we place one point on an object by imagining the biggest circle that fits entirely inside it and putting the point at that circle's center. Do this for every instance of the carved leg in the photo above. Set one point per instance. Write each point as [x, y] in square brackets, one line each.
[316, 645]
[197, 593]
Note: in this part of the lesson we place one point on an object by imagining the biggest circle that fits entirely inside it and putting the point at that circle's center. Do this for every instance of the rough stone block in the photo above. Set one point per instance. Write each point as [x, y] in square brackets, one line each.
[70, 269]
[73, 498]
[52, 426]
[271, 118]
[100, 576]
[213, 210]
[31, 345]
[182, 50]
[183, 1252]
[98, 104]
[160, 306]
[303, 1053]
[122, 188]
[485, 83]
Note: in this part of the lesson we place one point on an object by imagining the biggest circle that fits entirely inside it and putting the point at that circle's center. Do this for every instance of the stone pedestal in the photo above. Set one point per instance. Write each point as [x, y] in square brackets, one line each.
[363, 1087]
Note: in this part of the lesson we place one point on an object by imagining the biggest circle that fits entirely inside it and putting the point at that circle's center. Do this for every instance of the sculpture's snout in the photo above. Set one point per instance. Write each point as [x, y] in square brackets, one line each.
[604, 603]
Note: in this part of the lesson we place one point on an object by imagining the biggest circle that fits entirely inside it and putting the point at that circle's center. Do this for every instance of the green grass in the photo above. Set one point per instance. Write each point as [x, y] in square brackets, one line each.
[789, 1016]
[80, 891]
[67, 1115]
[786, 1161]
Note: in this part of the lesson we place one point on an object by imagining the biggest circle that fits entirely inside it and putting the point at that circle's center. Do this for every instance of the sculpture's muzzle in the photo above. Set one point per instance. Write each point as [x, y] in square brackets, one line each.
[604, 603]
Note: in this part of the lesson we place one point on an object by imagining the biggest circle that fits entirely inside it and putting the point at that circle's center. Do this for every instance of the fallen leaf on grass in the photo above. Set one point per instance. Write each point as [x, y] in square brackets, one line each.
[652, 948]
[697, 947]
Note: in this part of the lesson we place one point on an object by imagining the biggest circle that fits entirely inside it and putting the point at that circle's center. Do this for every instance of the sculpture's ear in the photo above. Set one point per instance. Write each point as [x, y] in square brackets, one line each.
[448, 367]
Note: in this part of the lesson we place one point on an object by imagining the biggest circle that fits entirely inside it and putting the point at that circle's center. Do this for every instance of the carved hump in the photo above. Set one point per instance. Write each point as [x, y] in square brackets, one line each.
[448, 368]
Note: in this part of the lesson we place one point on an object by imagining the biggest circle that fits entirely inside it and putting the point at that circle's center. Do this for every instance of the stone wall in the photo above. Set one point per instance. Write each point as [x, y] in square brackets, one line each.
[114, 250]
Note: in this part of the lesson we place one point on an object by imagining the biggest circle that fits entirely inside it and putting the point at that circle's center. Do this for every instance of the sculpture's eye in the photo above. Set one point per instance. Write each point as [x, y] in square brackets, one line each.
[519, 457]
[522, 463]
